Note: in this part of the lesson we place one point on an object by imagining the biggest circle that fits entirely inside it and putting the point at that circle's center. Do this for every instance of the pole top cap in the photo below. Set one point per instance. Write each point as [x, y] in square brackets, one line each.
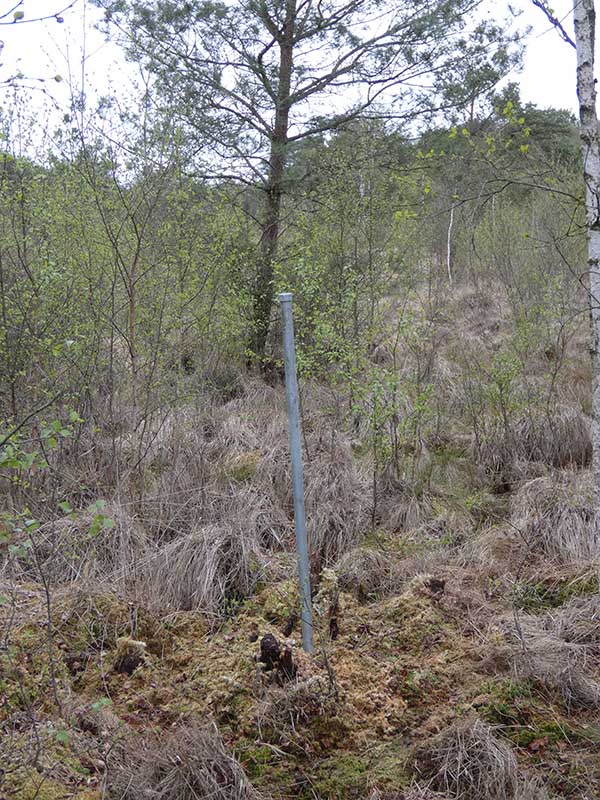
[285, 297]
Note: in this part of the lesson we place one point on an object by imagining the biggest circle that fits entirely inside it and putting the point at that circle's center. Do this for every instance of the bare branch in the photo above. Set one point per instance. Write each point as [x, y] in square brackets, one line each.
[554, 21]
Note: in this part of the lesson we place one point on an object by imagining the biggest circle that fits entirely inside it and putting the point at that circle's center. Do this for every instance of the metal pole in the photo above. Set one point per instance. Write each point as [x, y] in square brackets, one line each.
[291, 388]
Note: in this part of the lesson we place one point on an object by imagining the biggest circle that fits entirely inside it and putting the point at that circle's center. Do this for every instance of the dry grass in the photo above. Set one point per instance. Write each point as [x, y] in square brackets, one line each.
[561, 439]
[236, 471]
[399, 508]
[558, 667]
[337, 495]
[415, 792]
[469, 761]
[555, 515]
[530, 788]
[495, 551]
[286, 710]
[578, 622]
[175, 473]
[369, 573]
[213, 505]
[86, 545]
[191, 763]
[208, 570]
[533, 443]
[559, 652]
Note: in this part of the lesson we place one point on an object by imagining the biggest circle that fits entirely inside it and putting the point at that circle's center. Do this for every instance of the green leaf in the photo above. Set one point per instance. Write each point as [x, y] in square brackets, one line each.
[18, 15]
[62, 737]
[98, 705]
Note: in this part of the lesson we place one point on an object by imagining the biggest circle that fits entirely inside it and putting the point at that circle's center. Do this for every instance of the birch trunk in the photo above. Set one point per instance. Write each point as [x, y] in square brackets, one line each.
[585, 18]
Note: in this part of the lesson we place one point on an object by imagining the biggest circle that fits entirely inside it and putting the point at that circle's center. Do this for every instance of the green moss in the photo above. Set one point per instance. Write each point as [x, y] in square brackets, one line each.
[30, 785]
[257, 760]
[243, 467]
[523, 717]
[267, 767]
[341, 777]
[280, 601]
[389, 767]
[550, 731]
[508, 704]
[396, 543]
[552, 593]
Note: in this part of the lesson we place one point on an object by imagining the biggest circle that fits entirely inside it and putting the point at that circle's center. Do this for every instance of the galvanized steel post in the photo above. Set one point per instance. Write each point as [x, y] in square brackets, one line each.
[291, 387]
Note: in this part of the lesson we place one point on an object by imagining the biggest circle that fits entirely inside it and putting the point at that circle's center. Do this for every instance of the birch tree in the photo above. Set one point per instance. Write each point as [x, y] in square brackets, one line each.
[585, 20]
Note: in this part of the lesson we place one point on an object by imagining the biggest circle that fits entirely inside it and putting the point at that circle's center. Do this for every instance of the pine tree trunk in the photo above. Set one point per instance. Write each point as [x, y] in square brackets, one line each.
[264, 288]
[585, 18]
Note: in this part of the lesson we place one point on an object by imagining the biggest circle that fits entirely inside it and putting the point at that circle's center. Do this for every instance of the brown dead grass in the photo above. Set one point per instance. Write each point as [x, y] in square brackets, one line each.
[469, 761]
[559, 652]
[191, 763]
[555, 516]
[369, 573]
[208, 570]
[82, 547]
[532, 444]
[415, 792]
[577, 622]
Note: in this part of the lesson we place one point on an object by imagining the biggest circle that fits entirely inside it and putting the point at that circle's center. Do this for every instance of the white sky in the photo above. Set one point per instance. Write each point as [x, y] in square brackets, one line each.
[43, 50]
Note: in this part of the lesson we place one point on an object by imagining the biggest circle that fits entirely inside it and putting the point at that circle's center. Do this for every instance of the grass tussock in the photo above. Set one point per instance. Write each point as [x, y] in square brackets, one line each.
[213, 505]
[287, 711]
[532, 444]
[415, 792]
[559, 668]
[208, 570]
[400, 506]
[337, 496]
[234, 469]
[578, 622]
[368, 573]
[191, 763]
[470, 761]
[561, 439]
[555, 515]
[559, 651]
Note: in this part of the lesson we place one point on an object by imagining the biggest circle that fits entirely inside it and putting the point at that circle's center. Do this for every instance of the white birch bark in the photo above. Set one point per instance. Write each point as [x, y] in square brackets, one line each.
[449, 246]
[585, 18]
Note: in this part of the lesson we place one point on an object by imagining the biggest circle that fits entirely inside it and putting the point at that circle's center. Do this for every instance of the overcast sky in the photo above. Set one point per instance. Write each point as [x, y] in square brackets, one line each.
[44, 50]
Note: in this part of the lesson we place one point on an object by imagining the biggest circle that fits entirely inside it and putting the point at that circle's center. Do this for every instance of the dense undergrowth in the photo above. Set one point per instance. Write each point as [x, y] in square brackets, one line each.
[149, 634]
[451, 545]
